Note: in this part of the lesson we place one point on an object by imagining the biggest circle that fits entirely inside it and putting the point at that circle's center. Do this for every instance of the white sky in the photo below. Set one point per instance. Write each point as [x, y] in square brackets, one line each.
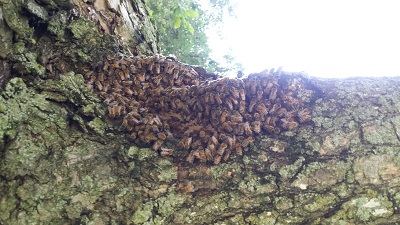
[322, 38]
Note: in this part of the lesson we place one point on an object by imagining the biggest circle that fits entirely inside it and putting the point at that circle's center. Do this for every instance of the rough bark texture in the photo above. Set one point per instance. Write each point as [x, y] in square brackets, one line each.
[63, 161]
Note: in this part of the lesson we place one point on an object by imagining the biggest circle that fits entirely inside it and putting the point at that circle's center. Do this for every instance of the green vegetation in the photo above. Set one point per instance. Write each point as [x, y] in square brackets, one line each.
[182, 26]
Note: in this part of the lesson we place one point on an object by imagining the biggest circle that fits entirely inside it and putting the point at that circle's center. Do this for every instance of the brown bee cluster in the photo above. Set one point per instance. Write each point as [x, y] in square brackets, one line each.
[158, 98]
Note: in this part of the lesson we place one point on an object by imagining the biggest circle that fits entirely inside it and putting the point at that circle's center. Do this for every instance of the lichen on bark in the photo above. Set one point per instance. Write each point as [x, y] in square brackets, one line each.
[63, 161]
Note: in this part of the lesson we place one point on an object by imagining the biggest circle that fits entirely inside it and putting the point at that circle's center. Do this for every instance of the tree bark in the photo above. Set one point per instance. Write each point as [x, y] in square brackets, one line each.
[64, 161]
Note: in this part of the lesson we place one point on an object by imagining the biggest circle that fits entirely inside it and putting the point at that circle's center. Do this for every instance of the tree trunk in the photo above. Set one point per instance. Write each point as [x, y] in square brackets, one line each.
[64, 159]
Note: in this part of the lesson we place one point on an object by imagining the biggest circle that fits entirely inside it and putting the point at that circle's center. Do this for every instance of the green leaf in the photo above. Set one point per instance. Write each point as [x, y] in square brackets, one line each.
[192, 13]
[190, 29]
[177, 12]
[177, 22]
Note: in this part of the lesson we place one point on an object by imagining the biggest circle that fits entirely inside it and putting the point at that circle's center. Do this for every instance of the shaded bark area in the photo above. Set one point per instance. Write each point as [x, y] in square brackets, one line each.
[63, 160]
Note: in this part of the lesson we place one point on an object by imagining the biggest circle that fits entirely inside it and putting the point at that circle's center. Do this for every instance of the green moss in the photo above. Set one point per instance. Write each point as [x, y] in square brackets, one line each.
[379, 135]
[145, 154]
[249, 184]
[166, 205]
[97, 125]
[266, 217]
[321, 203]
[8, 199]
[16, 21]
[143, 214]
[283, 203]
[57, 25]
[167, 170]
[364, 209]
[289, 171]
[37, 10]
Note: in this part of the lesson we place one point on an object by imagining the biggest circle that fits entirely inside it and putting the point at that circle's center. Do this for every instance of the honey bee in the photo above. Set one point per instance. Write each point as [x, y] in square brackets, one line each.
[268, 128]
[259, 95]
[157, 144]
[157, 68]
[274, 108]
[141, 77]
[196, 144]
[166, 151]
[281, 112]
[133, 135]
[169, 67]
[271, 120]
[253, 87]
[234, 92]
[222, 149]
[231, 141]
[289, 124]
[185, 143]
[157, 121]
[128, 91]
[162, 136]
[211, 98]
[116, 90]
[247, 129]
[189, 188]
[273, 94]
[228, 102]
[277, 130]
[217, 159]
[304, 115]
[145, 85]
[236, 117]
[89, 86]
[218, 99]
[226, 126]
[257, 126]
[242, 94]
[150, 66]
[268, 88]
[201, 155]
[175, 73]
[100, 76]
[190, 157]
[214, 140]
[157, 80]
[211, 146]
[242, 106]
[202, 134]
[132, 69]
[106, 87]
[234, 100]
[247, 141]
[238, 149]
[206, 97]
[149, 137]
[105, 66]
[224, 114]
[111, 111]
[99, 86]
[262, 109]
[127, 74]
[209, 155]
[115, 64]
[251, 105]
[227, 154]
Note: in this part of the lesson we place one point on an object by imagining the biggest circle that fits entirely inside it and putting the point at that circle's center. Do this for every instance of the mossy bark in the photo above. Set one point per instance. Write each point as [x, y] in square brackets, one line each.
[62, 161]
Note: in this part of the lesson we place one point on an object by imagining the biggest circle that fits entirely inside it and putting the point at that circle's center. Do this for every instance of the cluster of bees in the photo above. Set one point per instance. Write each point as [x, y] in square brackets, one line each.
[158, 98]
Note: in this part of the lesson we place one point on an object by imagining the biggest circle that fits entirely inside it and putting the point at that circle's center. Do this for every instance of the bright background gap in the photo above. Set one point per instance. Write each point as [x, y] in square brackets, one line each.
[322, 38]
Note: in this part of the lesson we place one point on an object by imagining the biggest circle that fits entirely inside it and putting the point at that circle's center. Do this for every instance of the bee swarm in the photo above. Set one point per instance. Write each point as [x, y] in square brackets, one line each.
[158, 98]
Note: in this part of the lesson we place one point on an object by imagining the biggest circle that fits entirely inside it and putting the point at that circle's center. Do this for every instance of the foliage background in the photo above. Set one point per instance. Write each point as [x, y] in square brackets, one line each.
[182, 27]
